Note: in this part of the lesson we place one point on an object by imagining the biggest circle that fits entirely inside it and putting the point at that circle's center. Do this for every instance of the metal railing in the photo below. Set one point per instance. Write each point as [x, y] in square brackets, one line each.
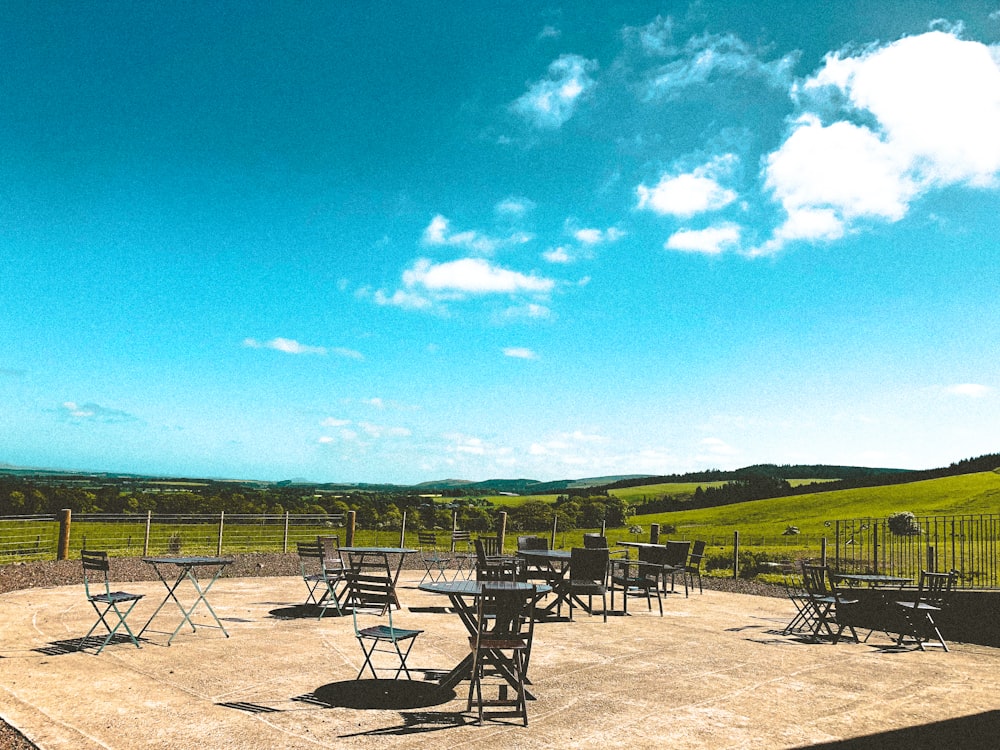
[968, 544]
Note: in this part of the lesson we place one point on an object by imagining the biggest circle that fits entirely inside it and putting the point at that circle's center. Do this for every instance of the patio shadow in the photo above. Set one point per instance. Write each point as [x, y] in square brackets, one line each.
[392, 695]
[966, 732]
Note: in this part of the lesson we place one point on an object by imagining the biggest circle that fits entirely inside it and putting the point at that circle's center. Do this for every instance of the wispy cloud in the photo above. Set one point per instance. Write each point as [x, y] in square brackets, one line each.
[550, 102]
[970, 390]
[288, 346]
[514, 206]
[91, 412]
[439, 233]
[518, 352]
[881, 127]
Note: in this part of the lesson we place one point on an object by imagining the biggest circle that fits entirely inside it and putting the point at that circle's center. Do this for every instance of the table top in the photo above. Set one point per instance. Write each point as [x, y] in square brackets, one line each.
[188, 560]
[475, 588]
[546, 554]
[870, 578]
[380, 550]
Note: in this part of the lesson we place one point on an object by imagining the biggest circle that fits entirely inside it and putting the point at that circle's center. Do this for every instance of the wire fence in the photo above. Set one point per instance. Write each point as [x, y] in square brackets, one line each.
[968, 544]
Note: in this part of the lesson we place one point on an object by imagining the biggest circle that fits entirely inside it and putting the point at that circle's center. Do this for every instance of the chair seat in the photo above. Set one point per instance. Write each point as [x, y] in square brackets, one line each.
[114, 597]
[385, 633]
[919, 606]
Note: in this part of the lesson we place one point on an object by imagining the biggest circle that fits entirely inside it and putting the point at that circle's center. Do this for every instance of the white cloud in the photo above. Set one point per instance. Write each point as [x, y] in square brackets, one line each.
[404, 299]
[550, 102]
[970, 390]
[598, 236]
[288, 346]
[691, 193]
[375, 401]
[518, 352]
[438, 233]
[472, 276]
[931, 108]
[711, 241]
[528, 311]
[333, 422]
[557, 255]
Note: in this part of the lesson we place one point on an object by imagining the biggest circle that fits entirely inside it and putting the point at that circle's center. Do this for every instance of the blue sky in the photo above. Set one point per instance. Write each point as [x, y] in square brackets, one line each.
[396, 242]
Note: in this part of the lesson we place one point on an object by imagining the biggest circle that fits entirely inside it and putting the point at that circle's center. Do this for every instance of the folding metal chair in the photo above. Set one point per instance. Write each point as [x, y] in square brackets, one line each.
[463, 554]
[373, 597]
[932, 596]
[435, 563]
[106, 601]
[321, 574]
[824, 599]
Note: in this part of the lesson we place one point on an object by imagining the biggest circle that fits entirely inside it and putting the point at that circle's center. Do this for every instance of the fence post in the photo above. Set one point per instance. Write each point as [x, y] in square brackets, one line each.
[502, 531]
[931, 558]
[604, 528]
[62, 551]
[822, 553]
[875, 565]
[284, 535]
[555, 524]
[145, 538]
[402, 532]
[654, 533]
[736, 554]
[349, 534]
[222, 524]
[454, 520]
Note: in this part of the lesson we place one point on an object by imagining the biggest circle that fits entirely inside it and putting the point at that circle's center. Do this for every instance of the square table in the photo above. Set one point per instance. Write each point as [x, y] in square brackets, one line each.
[377, 558]
[186, 571]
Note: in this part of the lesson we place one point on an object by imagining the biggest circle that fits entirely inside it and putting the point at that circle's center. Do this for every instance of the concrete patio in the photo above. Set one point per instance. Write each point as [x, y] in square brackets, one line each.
[714, 672]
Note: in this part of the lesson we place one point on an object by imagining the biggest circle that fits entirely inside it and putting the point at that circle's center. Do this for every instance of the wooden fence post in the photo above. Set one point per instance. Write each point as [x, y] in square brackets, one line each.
[145, 539]
[654, 533]
[284, 535]
[822, 552]
[349, 534]
[222, 525]
[502, 531]
[931, 558]
[402, 532]
[65, 517]
[555, 525]
[736, 554]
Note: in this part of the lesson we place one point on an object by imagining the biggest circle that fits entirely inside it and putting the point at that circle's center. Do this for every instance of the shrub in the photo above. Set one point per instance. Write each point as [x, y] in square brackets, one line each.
[903, 524]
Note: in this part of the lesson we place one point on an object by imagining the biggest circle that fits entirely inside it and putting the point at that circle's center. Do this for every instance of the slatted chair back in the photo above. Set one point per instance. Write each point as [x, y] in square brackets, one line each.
[461, 541]
[815, 580]
[933, 594]
[333, 559]
[491, 545]
[427, 540]
[492, 567]
[935, 588]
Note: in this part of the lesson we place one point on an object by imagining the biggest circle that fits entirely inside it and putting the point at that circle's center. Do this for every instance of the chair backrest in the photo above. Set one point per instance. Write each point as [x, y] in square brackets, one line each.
[480, 553]
[696, 555]
[332, 558]
[595, 541]
[588, 564]
[532, 542]
[676, 553]
[427, 538]
[491, 545]
[369, 582]
[310, 557]
[95, 561]
[460, 539]
[814, 579]
[935, 588]
[506, 614]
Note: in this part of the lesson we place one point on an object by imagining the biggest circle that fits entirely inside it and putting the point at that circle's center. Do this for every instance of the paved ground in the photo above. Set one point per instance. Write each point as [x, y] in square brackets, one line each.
[714, 672]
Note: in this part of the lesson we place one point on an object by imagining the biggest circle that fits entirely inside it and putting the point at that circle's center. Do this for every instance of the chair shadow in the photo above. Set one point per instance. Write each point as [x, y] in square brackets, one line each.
[72, 645]
[379, 695]
[418, 722]
[303, 612]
